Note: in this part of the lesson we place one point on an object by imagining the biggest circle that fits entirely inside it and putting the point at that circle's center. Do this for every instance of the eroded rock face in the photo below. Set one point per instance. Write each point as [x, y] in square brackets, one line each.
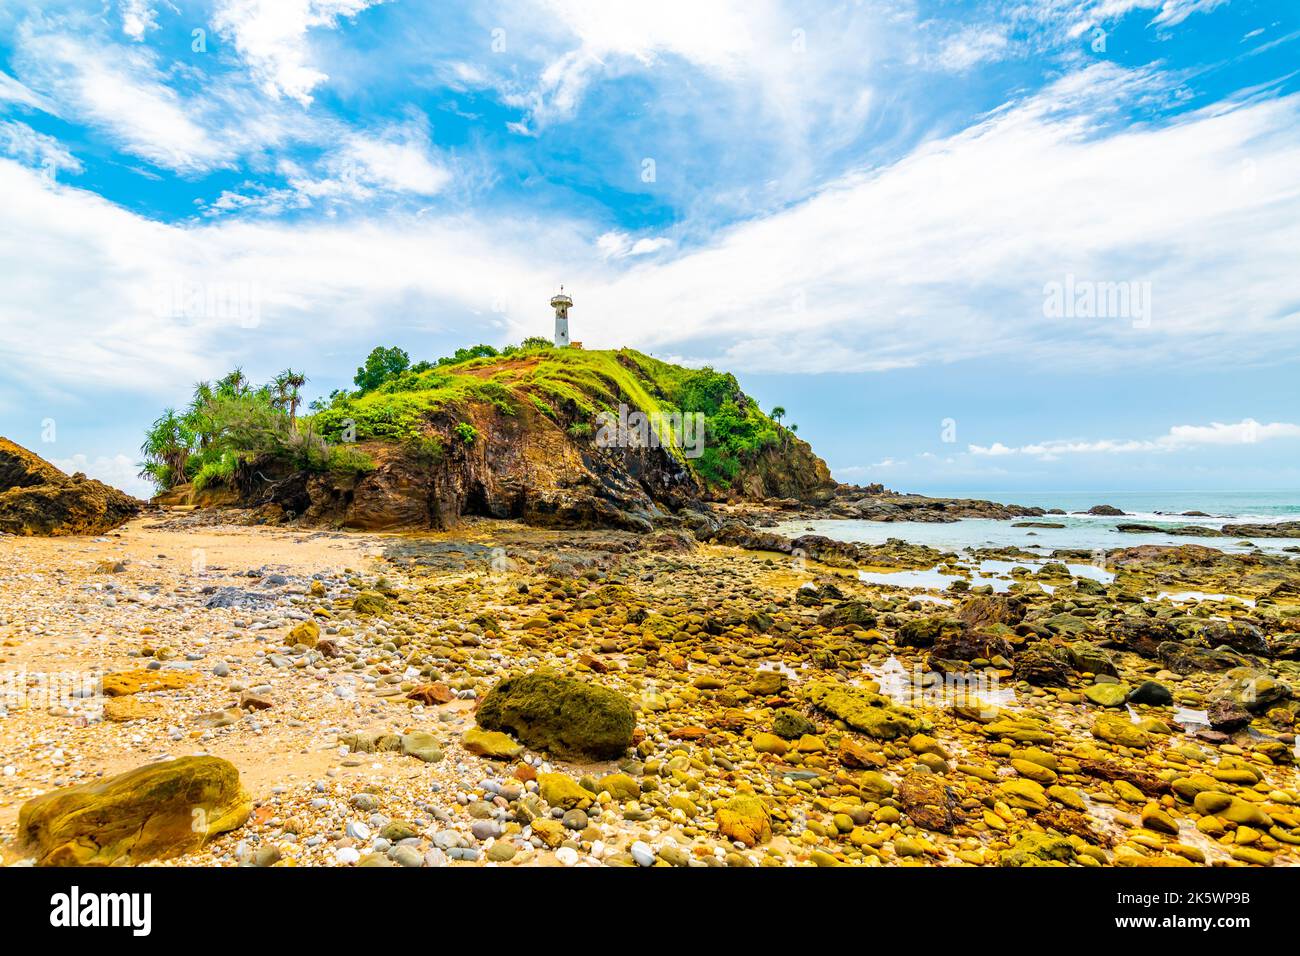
[154, 812]
[38, 499]
[568, 717]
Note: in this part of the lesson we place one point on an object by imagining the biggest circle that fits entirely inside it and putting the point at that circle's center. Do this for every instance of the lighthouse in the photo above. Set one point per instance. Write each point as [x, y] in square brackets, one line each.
[561, 303]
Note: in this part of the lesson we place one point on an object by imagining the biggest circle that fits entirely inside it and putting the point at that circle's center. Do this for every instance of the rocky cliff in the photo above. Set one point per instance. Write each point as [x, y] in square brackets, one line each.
[38, 499]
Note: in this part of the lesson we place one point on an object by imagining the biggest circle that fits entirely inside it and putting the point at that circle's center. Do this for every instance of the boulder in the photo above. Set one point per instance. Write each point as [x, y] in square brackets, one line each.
[1143, 634]
[1250, 690]
[38, 499]
[1236, 635]
[789, 724]
[570, 718]
[158, 811]
[1043, 664]
[1038, 849]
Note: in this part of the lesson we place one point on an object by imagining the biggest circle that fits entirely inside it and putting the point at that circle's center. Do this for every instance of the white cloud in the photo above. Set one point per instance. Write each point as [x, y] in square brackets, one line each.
[1088, 14]
[118, 89]
[620, 245]
[11, 91]
[31, 148]
[399, 160]
[1178, 438]
[972, 46]
[272, 37]
[138, 18]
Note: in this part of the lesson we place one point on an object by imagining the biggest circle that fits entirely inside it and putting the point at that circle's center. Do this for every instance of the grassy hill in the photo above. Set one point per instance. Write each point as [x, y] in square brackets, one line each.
[495, 432]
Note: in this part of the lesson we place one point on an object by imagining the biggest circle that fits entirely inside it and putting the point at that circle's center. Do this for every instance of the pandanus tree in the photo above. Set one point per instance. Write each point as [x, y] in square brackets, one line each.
[287, 388]
[166, 449]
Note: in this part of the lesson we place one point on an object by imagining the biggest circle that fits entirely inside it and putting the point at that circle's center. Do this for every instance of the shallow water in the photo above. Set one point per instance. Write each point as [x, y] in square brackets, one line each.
[996, 574]
[1087, 532]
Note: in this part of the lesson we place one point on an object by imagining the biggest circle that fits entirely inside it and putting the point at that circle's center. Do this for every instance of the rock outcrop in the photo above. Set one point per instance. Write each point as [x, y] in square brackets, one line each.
[38, 499]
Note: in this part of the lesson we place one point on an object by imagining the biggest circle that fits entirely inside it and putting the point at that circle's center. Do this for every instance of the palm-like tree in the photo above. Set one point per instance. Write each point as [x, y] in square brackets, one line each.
[778, 413]
[288, 391]
[166, 449]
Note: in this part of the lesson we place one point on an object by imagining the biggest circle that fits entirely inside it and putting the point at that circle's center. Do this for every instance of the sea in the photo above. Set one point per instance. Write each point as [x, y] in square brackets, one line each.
[1083, 531]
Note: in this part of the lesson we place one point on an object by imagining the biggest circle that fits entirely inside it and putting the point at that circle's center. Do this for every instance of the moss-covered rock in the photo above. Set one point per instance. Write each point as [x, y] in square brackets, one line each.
[745, 818]
[307, 633]
[789, 724]
[569, 718]
[370, 602]
[154, 812]
[871, 714]
[1038, 849]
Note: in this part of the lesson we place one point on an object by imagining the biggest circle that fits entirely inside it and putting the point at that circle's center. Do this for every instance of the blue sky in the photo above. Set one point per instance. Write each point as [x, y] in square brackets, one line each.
[1049, 244]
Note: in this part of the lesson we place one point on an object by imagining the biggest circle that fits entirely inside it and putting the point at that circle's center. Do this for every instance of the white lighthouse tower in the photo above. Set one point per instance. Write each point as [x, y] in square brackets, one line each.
[561, 303]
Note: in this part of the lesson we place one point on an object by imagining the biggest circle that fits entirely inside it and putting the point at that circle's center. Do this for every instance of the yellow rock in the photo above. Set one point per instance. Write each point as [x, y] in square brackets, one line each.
[621, 786]
[1024, 794]
[157, 811]
[766, 743]
[1034, 771]
[1116, 729]
[560, 790]
[1068, 796]
[745, 818]
[491, 743]
[1128, 792]
[308, 633]
[128, 708]
[551, 831]
[1153, 818]
[1246, 854]
[123, 683]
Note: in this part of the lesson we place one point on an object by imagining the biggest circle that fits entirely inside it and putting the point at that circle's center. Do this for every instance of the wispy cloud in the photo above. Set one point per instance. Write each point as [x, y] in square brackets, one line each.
[273, 38]
[1178, 438]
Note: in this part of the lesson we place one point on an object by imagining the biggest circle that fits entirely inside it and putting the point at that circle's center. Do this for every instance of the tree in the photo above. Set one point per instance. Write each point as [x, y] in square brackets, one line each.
[536, 342]
[166, 449]
[233, 385]
[777, 414]
[466, 354]
[381, 365]
[287, 388]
